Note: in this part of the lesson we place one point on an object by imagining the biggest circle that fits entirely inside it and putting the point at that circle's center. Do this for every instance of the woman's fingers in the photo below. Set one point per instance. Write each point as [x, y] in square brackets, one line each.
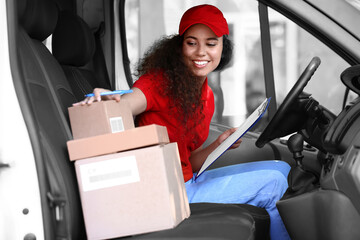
[236, 144]
[98, 97]
[226, 134]
[116, 97]
[84, 102]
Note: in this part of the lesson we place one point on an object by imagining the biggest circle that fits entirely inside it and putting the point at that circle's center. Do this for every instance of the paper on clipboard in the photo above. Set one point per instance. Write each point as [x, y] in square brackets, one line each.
[241, 130]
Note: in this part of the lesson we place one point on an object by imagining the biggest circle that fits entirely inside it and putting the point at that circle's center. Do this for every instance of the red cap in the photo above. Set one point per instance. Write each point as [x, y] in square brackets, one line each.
[209, 15]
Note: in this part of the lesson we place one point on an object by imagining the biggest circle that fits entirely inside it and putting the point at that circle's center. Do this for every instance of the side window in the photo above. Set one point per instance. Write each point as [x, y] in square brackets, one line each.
[292, 50]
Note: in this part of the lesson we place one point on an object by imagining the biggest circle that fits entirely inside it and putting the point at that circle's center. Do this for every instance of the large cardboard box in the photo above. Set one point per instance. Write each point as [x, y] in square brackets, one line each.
[100, 118]
[132, 192]
[116, 142]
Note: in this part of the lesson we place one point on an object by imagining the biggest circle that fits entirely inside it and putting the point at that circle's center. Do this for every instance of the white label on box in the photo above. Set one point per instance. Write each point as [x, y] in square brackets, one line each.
[116, 124]
[109, 173]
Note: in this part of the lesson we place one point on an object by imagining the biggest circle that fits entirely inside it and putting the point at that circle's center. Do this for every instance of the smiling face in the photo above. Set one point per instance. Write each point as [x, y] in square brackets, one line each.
[201, 50]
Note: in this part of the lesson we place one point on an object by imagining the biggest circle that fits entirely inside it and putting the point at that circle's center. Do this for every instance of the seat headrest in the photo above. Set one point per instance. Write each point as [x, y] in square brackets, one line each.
[38, 17]
[73, 42]
[351, 78]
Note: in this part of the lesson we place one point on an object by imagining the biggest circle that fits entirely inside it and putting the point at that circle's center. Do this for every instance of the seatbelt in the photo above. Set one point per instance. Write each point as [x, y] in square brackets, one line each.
[55, 197]
[267, 59]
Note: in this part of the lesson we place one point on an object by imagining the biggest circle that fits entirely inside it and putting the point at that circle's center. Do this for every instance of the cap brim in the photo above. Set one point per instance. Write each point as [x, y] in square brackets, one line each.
[217, 31]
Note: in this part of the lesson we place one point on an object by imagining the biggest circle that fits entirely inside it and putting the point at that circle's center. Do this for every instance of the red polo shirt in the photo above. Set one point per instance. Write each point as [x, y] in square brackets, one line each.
[157, 112]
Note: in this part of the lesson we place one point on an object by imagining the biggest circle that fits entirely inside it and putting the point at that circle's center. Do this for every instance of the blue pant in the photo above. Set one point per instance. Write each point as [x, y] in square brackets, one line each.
[260, 184]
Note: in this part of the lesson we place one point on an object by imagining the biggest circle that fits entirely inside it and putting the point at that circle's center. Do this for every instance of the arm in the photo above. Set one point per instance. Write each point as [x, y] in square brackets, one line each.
[136, 99]
[199, 155]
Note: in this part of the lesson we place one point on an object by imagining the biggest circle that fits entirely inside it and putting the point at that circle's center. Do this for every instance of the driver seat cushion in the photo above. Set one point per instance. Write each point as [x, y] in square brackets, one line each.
[211, 221]
[262, 220]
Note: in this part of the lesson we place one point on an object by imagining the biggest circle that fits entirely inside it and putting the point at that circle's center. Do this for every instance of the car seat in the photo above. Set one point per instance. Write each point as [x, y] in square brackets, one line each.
[47, 94]
[73, 45]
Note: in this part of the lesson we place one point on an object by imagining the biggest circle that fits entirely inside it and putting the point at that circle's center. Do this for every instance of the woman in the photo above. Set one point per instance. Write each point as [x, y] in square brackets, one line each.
[172, 90]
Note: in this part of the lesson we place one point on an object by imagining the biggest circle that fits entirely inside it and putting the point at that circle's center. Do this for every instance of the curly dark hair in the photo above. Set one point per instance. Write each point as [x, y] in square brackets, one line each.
[165, 57]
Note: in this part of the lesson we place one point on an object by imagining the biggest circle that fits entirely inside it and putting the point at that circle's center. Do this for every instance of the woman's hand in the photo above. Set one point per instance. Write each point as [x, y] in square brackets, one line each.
[199, 155]
[225, 135]
[97, 97]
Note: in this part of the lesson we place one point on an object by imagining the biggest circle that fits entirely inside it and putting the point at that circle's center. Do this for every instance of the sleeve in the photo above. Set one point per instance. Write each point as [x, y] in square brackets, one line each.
[147, 86]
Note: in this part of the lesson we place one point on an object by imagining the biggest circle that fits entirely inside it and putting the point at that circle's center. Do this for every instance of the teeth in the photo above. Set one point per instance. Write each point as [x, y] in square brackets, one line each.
[200, 62]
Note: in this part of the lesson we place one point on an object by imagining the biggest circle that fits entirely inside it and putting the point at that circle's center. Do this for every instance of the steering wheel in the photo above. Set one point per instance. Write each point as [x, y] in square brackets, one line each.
[280, 116]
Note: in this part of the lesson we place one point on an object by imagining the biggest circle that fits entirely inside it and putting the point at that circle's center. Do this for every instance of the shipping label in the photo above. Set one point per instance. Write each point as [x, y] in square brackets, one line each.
[116, 124]
[109, 173]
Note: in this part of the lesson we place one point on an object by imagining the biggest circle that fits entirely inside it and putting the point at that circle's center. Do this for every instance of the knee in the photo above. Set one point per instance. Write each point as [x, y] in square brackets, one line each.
[280, 183]
[274, 185]
[282, 167]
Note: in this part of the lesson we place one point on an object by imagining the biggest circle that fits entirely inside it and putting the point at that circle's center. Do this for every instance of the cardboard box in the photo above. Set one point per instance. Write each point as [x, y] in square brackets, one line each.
[116, 142]
[132, 192]
[100, 118]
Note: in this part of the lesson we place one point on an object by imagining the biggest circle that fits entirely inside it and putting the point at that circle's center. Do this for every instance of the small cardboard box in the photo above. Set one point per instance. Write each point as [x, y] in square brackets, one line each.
[132, 192]
[100, 118]
[116, 142]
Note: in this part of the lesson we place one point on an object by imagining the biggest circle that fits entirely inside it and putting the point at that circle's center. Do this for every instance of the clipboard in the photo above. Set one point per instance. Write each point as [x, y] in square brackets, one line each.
[241, 130]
